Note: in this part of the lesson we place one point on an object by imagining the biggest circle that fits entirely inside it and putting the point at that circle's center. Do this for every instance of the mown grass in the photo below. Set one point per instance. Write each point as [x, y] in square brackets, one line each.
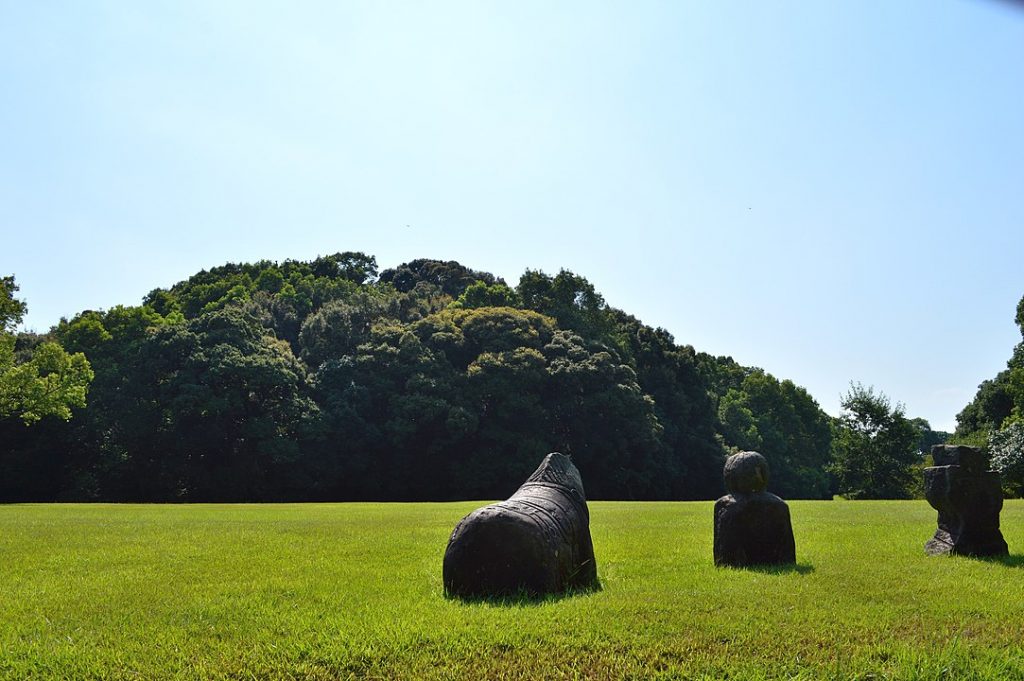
[328, 591]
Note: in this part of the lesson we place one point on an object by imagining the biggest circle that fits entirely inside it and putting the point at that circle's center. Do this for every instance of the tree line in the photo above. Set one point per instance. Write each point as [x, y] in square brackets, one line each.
[995, 417]
[330, 380]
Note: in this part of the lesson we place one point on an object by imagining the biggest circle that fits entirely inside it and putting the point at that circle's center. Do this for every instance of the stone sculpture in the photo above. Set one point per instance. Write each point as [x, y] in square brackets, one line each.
[752, 526]
[968, 498]
[536, 542]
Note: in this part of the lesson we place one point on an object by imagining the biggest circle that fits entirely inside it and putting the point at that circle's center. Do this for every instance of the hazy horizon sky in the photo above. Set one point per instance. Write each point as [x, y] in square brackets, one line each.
[832, 192]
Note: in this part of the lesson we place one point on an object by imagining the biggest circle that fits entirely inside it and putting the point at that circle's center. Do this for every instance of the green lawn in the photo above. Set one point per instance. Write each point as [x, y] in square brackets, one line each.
[326, 591]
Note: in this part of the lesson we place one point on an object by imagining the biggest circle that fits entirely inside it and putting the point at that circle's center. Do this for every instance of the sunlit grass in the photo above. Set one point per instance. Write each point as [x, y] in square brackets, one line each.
[326, 591]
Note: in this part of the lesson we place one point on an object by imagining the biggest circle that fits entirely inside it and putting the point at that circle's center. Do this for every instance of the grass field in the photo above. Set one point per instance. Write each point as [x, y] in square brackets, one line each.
[327, 591]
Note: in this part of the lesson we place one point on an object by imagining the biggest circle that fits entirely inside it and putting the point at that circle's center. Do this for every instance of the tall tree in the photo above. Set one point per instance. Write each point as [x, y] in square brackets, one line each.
[928, 437]
[226, 406]
[338, 327]
[482, 294]
[358, 268]
[999, 400]
[50, 383]
[783, 422]
[874, 447]
[570, 299]
[670, 374]
[449, 276]
[11, 309]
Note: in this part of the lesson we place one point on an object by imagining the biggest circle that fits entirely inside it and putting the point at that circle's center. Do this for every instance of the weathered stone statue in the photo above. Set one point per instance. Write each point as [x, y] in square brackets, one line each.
[536, 542]
[752, 526]
[968, 498]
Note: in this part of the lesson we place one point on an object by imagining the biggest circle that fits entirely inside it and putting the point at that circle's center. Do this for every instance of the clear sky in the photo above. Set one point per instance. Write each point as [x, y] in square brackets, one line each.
[831, 191]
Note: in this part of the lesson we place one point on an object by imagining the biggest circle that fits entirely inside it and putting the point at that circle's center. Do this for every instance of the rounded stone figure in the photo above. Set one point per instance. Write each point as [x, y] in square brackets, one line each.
[746, 473]
[536, 542]
[752, 526]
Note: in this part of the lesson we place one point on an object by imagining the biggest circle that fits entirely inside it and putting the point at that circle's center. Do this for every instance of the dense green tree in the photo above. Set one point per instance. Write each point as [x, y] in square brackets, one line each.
[998, 400]
[109, 449]
[992, 404]
[1007, 451]
[784, 423]
[276, 314]
[396, 402]
[462, 335]
[321, 380]
[303, 286]
[270, 280]
[212, 409]
[570, 299]
[40, 385]
[338, 327]
[927, 438]
[683, 406]
[49, 382]
[449, 276]
[482, 294]
[496, 355]
[358, 268]
[234, 403]
[875, 447]
[722, 374]
[11, 309]
[504, 421]
[601, 417]
[421, 301]
[462, 403]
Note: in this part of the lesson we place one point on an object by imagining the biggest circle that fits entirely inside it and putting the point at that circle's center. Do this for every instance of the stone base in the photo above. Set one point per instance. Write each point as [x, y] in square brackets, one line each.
[753, 529]
[943, 543]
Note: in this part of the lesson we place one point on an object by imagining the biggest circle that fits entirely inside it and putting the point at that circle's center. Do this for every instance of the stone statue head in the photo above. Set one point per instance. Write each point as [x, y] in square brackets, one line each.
[746, 473]
[558, 469]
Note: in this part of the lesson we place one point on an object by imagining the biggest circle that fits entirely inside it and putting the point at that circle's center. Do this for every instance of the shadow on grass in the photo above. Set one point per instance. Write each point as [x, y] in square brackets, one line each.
[799, 568]
[525, 598]
[1013, 561]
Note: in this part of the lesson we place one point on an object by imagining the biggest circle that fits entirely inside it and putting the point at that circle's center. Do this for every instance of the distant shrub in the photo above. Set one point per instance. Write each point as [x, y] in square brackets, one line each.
[1007, 449]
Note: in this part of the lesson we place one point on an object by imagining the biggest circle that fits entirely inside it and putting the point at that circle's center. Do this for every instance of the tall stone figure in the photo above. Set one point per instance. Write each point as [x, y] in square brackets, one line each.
[536, 542]
[752, 526]
[968, 498]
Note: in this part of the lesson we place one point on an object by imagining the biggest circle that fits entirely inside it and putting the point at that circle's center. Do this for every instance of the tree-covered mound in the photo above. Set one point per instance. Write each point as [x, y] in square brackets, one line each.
[329, 380]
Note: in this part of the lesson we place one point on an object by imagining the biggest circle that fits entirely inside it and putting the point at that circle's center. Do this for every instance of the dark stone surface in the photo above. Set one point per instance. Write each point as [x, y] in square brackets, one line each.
[746, 473]
[536, 542]
[752, 526]
[968, 499]
[971, 459]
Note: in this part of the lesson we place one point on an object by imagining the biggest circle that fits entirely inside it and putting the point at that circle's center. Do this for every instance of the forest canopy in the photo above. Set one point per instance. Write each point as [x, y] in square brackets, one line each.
[331, 380]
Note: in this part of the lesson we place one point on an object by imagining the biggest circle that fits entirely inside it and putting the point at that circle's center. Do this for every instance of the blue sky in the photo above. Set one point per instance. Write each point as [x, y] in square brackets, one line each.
[830, 191]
